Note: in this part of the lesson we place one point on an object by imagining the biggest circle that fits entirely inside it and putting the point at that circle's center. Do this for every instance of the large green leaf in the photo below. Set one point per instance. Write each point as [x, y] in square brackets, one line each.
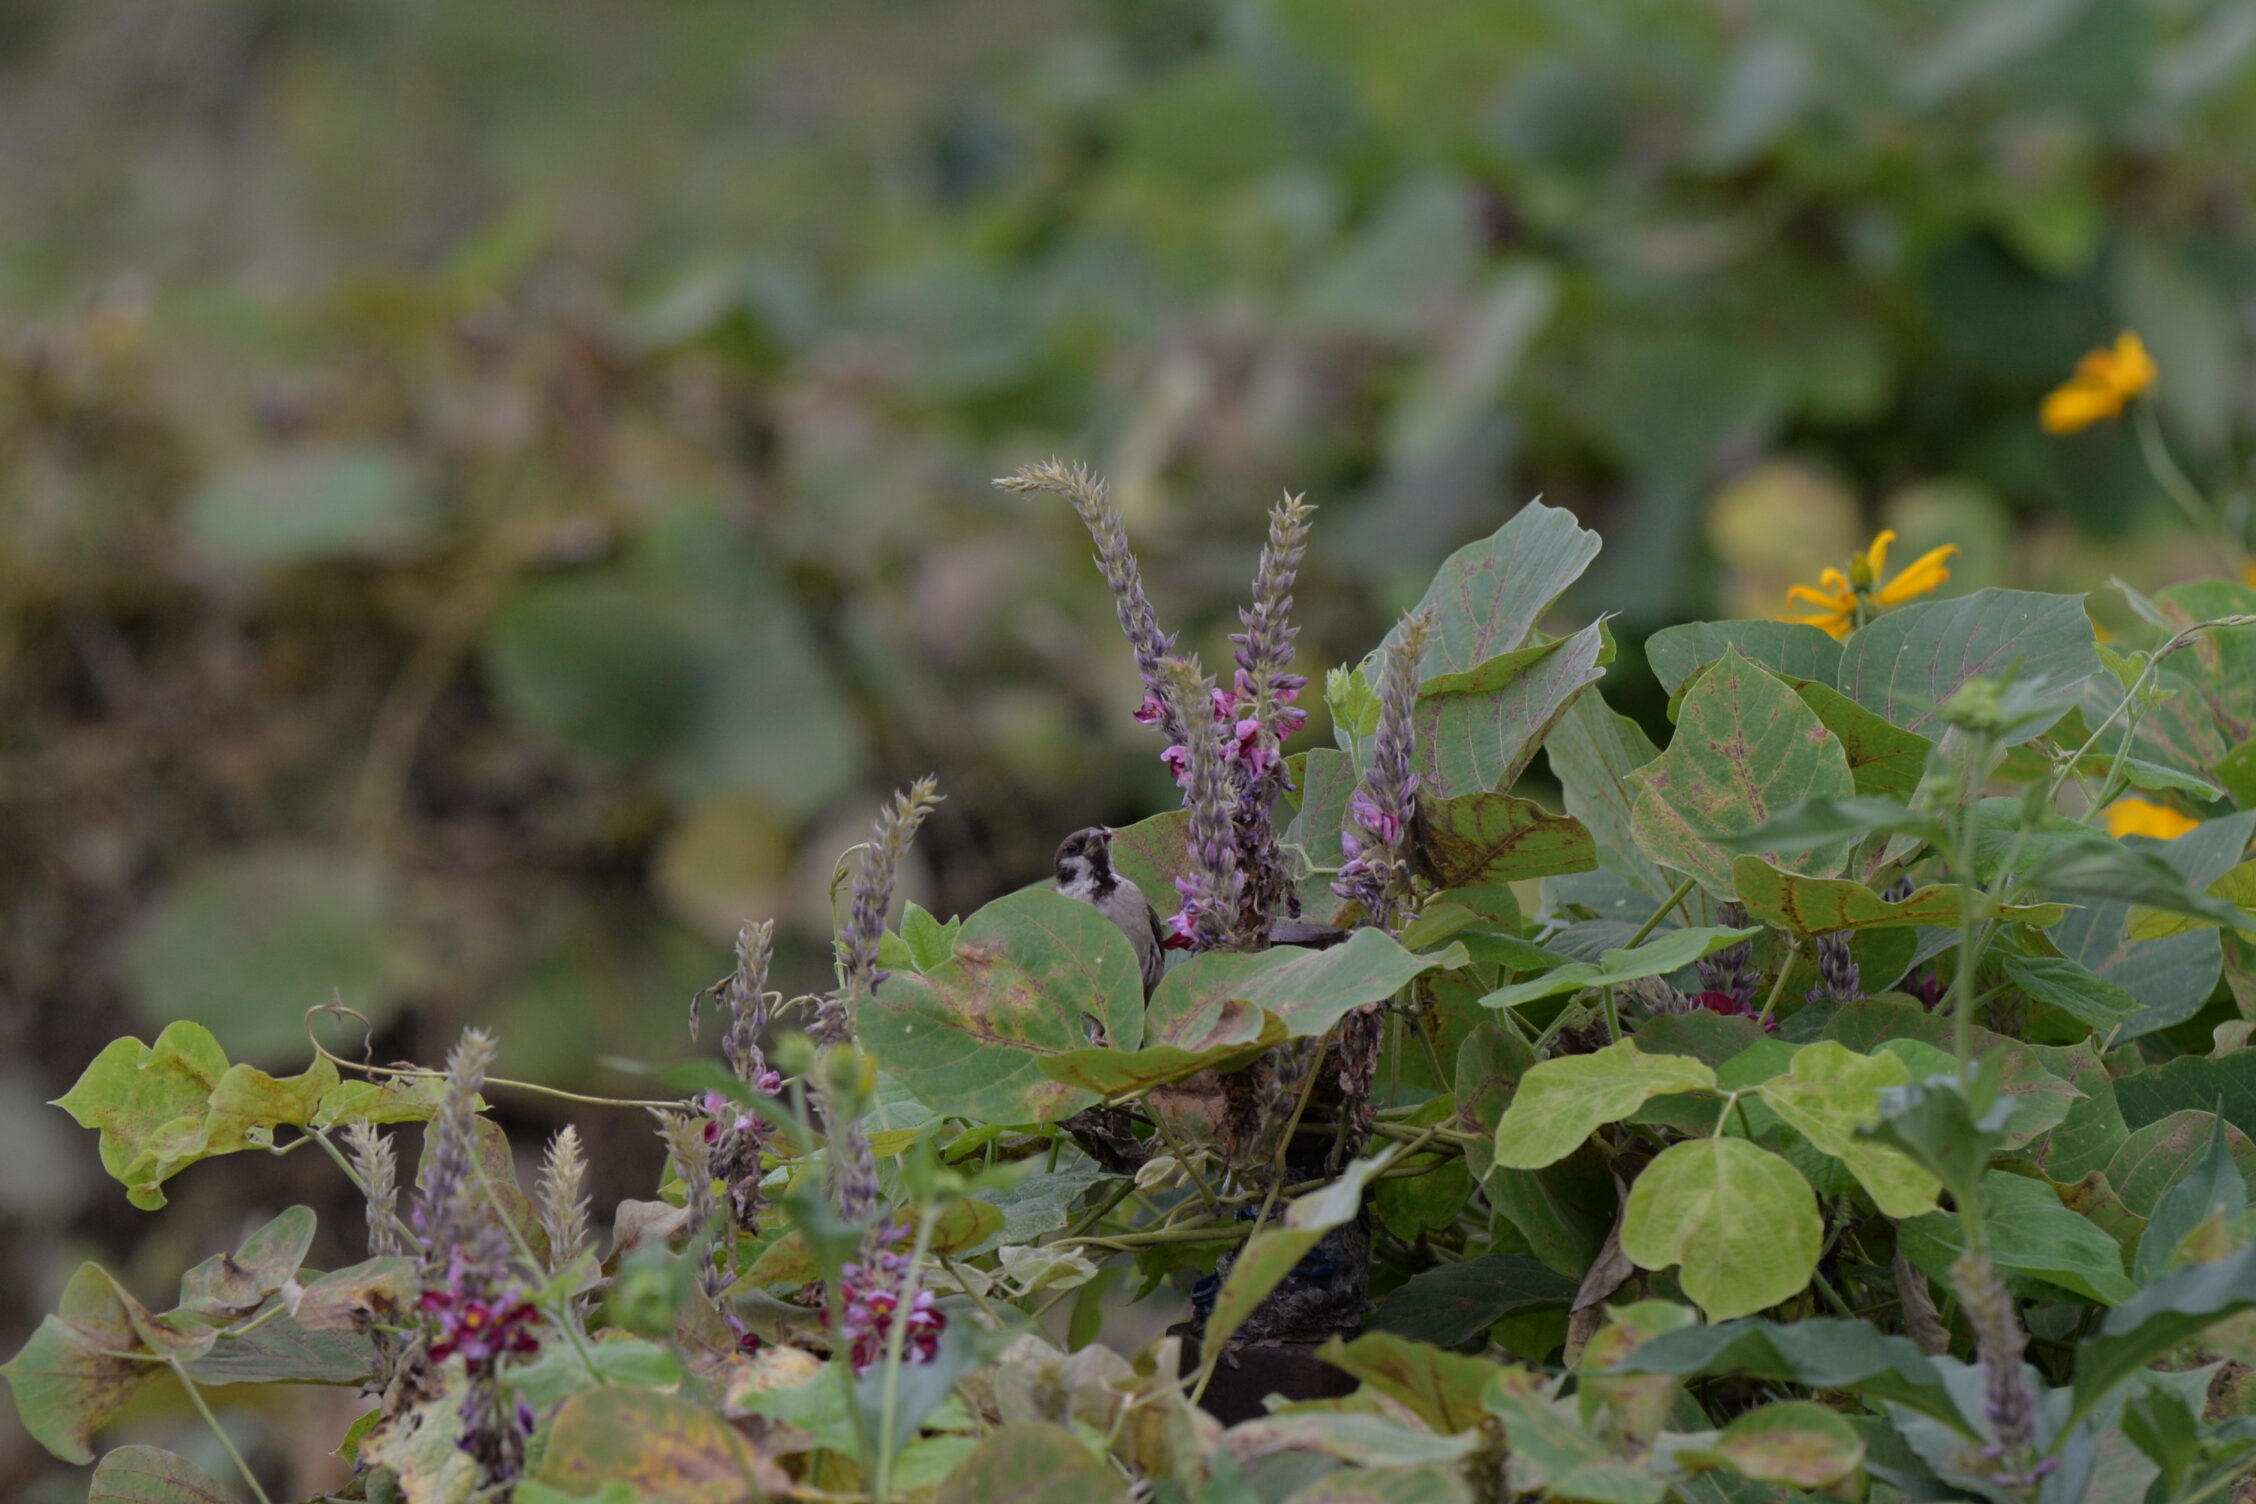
[1884, 759]
[2152, 1322]
[1235, 1033]
[1820, 1354]
[2204, 1211]
[1794, 1443]
[1443, 1389]
[2040, 1098]
[1155, 851]
[1790, 648]
[2082, 994]
[1592, 751]
[1310, 990]
[1910, 662]
[164, 1106]
[1827, 1095]
[2197, 1082]
[1563, 1101]
[1454, 1303]
[2028, 1232]
[2171, 977]
[1745, 748]
[87, 1361]
[1477, 731]
[2220, 668]
[1032, 1464]
[1670, 951]
[1477, 839]
[1489, 596]
[2157, 1155]
[968, 1037]
[2087, 1138]
[597, 663]
[1741, 1221]
[1561, 1458]
[1822, 905]
[152, 1475]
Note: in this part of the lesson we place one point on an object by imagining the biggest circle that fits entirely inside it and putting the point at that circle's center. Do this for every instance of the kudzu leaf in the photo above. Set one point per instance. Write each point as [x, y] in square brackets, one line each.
[792, 1259]
[1739, 1220]
[2075, 990]
[1884, 759]
[1480, 838]
[1488, 596]
[1745, 748]
[2236, 888]
[1430, 1483]
[2210, 1200]
[90, 1359]
[234, 1284]
[1032, 1464]
[1823, 905]
[1818, 822]
[1477, 731]
[152, 1475]
[1310, 990]
[2160, 1154]
[1820, 1354]
[1669, 951]
[1827, 1095]
[662, 1445]
[1793, 649]
[1797, 1443]
[1909, 663]
[1443, 1389]
[1555, 1454]
[2220, 668]
[1563, 1101]
[2157, 1319]
[1454, 1303]
[1592, 751]
[2029, 1232]
[1118, 1073]
[968, 1037]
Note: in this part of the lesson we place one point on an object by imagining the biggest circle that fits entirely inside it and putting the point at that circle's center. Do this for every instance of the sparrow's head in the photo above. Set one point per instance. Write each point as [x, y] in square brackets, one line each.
[1084, 861]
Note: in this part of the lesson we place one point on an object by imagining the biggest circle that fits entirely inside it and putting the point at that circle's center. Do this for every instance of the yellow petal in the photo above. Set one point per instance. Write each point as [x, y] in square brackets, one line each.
[1836, 624]
[2139, 817]
[2134, 369]
[2077, 405]
[1876, 557]
[1923, 575]
[1836, 582]
[1831, 600]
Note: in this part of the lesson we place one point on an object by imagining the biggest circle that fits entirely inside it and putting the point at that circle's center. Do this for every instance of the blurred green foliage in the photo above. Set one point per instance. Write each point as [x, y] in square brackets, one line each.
[489, 493]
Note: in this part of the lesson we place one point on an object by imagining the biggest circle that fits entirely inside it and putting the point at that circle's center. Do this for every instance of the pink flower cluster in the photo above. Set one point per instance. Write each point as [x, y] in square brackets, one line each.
[871, 1290]
[1259, 755]
[483, 1330]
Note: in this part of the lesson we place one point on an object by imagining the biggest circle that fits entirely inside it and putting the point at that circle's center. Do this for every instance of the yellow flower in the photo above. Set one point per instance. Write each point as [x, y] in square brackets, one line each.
[2106, 380]
[1837, 595]
[2134, 816]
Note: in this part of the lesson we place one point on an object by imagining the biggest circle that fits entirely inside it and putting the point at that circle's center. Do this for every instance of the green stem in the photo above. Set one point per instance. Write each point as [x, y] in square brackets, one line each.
[1972, 905]
[1778, 988]
[2178, 488]
[1682, 891]
[1613, 1014]
[1206, 1192]
[227, 1444]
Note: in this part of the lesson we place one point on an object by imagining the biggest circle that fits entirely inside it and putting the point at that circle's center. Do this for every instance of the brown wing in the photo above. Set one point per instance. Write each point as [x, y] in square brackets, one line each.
[1155, 959]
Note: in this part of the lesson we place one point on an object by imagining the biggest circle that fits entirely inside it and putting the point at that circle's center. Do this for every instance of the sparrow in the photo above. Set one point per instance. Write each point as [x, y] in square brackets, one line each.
[1084, 872]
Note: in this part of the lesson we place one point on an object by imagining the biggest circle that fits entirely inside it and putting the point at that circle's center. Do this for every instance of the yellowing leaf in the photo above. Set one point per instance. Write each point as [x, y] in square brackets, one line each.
[1795, 1442]
[1822, 905]
[1561, 1102]
[1741, 1222]
[1745, 748]
[1829, 1093]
